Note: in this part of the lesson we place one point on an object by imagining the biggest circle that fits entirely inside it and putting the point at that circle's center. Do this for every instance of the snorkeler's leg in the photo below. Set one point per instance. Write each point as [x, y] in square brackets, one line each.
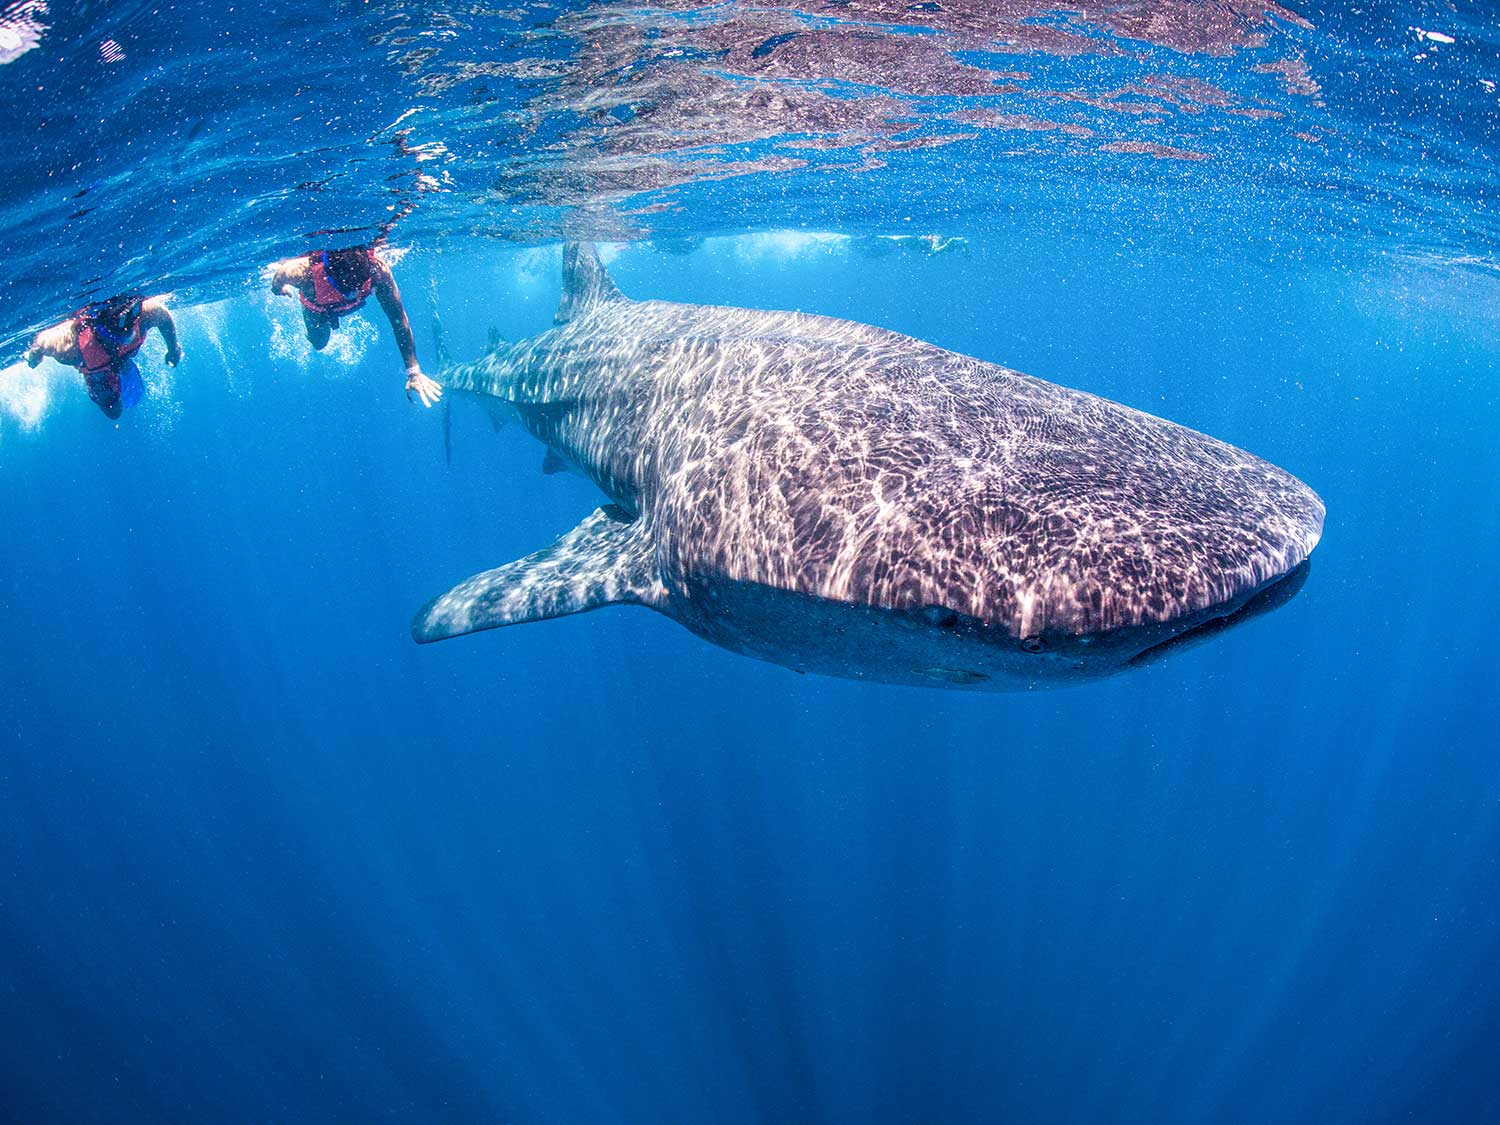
[108, 401]
[104, 389]
[319, 328]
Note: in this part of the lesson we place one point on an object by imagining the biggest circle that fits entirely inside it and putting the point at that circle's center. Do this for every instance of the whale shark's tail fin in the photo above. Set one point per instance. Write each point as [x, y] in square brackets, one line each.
[439, 344]
[444, 361]
[586, 283]
[606, 560]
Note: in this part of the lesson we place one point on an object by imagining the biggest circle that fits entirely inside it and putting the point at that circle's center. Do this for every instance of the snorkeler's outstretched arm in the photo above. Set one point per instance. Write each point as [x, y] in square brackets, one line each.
[288, 271]
[390, 300]
[154, 314]
[60, 342]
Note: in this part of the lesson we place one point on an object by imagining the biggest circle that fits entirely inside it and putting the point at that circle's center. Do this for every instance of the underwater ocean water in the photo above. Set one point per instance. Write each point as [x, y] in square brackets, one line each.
[262, 858]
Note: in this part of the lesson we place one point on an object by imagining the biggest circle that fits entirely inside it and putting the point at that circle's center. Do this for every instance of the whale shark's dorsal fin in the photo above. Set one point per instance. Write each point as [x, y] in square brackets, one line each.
[606, 560]
[586, 283]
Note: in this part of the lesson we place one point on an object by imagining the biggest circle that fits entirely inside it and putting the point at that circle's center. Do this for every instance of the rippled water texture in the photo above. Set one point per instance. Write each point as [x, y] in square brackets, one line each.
[155, 147]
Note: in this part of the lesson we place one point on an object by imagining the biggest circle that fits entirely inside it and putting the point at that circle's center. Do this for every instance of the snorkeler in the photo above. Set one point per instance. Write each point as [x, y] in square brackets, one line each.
[333, 283]
[101, 341]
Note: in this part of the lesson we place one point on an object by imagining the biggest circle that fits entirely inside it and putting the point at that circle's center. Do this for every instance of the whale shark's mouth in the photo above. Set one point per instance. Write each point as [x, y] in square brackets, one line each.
[1270, 597]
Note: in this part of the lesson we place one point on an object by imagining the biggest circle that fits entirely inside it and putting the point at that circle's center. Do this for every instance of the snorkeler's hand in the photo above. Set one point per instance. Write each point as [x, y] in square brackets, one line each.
[33, 356]
[428, 391]
[174, 356]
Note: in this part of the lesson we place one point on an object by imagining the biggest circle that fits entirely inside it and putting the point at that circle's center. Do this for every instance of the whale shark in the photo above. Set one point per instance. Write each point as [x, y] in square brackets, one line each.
[842, 499]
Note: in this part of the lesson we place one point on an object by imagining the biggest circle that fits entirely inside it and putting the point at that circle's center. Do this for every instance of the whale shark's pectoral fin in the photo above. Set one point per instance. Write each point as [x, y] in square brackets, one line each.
[605, 560]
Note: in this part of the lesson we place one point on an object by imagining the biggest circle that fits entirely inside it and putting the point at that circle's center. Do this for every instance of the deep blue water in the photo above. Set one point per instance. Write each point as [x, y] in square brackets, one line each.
[264, 859]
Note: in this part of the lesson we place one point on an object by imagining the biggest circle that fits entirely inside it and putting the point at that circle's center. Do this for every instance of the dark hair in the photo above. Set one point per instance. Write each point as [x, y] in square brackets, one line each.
[118, 314]
[351, 265]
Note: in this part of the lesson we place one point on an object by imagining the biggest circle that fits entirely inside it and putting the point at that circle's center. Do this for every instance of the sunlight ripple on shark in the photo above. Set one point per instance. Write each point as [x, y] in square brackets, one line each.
[841, 499]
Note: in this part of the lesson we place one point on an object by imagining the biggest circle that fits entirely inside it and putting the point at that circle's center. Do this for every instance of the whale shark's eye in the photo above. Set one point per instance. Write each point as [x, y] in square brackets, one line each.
[1031, 644]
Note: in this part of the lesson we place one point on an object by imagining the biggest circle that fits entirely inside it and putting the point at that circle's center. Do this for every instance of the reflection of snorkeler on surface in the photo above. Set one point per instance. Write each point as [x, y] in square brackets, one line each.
[333, 283]
[101, 341]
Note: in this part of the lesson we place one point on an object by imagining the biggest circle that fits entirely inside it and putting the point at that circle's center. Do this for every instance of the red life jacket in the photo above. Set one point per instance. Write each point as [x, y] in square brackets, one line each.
[327, 296]
[101, 349]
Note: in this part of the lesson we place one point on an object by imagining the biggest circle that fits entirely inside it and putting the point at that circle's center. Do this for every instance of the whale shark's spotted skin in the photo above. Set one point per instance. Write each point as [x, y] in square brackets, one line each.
[841, 498]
